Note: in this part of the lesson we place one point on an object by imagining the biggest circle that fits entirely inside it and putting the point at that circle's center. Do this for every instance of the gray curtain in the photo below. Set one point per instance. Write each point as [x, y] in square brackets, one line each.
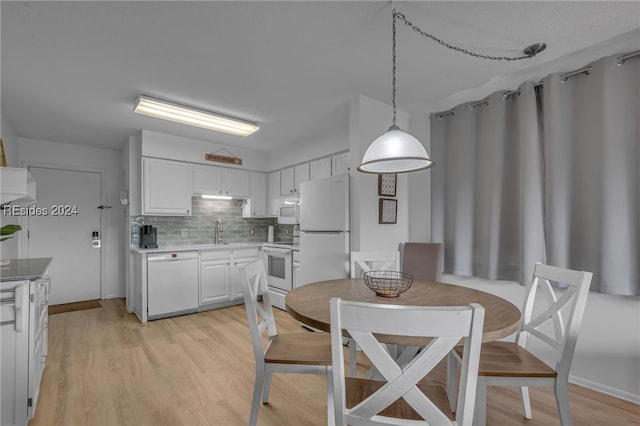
[591, 145]
[552, 178]
[487, 187]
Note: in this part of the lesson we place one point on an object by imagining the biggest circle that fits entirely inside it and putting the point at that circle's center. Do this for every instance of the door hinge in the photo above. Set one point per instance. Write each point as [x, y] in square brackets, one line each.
[32, 298]
[30, 402]
[28, 233]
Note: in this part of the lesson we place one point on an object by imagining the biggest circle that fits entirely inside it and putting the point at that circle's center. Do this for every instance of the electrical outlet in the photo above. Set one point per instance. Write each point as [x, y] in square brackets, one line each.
[251, 231]
[184, 233]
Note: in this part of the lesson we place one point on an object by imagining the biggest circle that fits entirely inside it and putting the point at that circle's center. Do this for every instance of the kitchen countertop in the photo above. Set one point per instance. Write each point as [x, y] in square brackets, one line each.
[25, 269]
[195, 247]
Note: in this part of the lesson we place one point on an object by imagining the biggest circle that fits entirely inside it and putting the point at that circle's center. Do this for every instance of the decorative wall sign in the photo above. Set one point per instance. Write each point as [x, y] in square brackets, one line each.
[387, 184]
[229, 159]
[387, 210]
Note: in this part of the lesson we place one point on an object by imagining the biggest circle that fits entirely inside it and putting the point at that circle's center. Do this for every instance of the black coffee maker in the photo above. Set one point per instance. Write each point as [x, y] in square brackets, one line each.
[148, 236]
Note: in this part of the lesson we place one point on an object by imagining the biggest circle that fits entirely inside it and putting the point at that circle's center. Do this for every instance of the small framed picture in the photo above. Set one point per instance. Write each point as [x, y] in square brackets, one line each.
[387, 211]
[387, 184]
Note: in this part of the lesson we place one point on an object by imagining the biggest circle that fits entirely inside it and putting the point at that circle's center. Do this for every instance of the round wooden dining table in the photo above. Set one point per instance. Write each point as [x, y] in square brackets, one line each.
[309, 304]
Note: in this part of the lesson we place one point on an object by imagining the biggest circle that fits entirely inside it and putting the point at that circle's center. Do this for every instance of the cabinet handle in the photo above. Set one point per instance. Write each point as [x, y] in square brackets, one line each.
[20, 314]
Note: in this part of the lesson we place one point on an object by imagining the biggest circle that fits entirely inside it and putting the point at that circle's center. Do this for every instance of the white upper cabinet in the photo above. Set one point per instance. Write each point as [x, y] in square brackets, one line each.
[166, 187]
[292, 177]
[214, 180]
[274, 198]
[340, 163]
[208, 180]
[320, 168]
[286, 182]
[301, 174]
[238, 182]
[256, 205]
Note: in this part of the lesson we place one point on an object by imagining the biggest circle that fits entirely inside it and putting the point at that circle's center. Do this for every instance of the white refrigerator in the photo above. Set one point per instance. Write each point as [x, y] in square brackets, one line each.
[324, 229]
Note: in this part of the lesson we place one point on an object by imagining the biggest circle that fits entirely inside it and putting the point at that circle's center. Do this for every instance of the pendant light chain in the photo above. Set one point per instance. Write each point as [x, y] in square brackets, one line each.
[393, 69]
[396, 151]
[404, 19]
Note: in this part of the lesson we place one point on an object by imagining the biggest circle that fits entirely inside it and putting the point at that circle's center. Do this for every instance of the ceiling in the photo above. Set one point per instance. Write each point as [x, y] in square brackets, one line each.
[71, 71]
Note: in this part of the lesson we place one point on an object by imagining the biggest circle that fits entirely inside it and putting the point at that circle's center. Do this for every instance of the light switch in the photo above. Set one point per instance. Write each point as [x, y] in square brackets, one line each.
[184, 233]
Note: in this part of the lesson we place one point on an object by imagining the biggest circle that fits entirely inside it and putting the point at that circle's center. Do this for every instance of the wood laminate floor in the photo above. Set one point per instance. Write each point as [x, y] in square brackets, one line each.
[106, 368]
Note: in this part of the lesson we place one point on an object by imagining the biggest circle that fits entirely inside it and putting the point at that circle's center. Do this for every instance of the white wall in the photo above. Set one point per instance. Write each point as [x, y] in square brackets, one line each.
[70, 156]
[326, 140]
[172, 147]
[368, 120]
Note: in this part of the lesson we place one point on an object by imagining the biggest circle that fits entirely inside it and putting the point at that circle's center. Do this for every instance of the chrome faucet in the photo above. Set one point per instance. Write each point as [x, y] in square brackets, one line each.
[219, 229]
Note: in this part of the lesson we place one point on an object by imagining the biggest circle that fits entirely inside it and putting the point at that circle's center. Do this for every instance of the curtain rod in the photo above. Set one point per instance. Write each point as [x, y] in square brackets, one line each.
[475, 104]
[586, 70]
[445, 113]
[622, 59]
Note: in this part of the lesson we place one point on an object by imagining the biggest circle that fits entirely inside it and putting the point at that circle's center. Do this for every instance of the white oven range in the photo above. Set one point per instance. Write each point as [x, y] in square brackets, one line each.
[278, 258]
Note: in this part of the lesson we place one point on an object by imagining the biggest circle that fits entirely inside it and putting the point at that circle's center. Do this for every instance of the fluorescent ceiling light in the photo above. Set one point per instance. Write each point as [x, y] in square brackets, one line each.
[193, 117]
[216, 197]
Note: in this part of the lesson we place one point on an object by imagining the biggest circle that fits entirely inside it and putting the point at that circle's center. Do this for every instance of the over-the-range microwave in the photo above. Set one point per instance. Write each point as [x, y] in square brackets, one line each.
[288, 214]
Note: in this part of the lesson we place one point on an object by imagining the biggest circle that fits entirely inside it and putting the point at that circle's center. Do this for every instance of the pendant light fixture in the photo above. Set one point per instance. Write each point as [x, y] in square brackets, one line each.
[396, 151]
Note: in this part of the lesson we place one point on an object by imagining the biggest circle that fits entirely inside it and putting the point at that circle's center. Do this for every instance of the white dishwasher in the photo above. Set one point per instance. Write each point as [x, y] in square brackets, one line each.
[172, 284]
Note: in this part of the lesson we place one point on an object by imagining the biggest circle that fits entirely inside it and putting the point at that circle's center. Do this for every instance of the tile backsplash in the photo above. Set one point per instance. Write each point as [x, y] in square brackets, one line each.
[201, 225]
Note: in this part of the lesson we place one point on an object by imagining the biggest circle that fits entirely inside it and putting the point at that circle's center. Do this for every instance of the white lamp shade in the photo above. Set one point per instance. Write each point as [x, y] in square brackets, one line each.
[395, 151]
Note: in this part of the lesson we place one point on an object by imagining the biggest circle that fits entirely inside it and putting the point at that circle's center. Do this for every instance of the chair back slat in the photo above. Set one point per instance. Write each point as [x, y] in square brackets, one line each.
[445, 325]
[564, 309]
[365, 261]
[253, 281]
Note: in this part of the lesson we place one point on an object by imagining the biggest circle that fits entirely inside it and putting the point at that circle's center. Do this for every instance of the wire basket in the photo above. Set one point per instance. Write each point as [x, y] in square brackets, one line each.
[388, 283]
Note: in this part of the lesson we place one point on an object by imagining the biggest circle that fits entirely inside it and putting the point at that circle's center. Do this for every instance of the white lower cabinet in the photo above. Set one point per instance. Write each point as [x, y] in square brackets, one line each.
[23, 347]
[215, 268]
[219, 275]
[241, 258]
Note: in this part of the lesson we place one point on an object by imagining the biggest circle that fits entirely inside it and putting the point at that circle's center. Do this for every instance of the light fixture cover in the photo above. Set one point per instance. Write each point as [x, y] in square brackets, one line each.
[165, 110]
[395, 151]
[216, 197]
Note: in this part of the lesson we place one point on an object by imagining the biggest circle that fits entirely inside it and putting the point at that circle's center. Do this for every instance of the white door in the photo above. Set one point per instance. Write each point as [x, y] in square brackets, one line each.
[64, 231]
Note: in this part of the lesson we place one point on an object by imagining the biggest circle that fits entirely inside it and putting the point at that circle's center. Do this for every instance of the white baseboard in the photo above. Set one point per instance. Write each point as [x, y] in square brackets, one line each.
[277, 299]
[607, 390]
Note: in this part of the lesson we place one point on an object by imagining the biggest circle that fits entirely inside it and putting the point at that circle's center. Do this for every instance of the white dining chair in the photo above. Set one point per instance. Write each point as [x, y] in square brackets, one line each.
[511, 364]
[365, 261]
[305, 352]
[403, 395]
